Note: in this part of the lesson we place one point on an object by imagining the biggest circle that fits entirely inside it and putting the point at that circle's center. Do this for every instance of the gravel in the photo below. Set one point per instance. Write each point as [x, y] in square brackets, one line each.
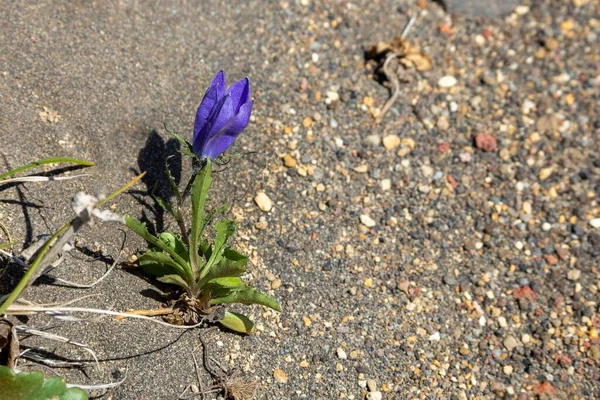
[475, 271]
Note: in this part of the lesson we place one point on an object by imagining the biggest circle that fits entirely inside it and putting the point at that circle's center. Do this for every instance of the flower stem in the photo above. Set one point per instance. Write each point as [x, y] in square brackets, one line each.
[179, 214]
[197, 165]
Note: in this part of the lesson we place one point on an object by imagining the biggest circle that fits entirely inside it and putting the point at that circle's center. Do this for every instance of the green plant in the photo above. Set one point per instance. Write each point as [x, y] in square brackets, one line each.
[45, 161]
[208, 272]
[33, 386]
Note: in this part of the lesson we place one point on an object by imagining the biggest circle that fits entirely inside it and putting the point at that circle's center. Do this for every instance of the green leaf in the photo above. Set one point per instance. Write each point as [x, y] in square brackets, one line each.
[232, 264]
[224, 231]
[157, 263]
[141, 230]
[229, 282]
[187, 152]
[205, 249]
[174, 280]
[237, 322]
[247, 296]
[199, 196]
[51, 160]
[32, 386]
[187, 145]
[174, 186]
[164, 205]
[175, 243]
[120, 190]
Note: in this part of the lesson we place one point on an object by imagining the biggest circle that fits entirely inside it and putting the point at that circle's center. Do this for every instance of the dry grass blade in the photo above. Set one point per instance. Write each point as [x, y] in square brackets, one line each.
[66, 303]
[103, 386]
[36, 178]
[31, 355]
[18, 309]
[15, 259]
[51, 336]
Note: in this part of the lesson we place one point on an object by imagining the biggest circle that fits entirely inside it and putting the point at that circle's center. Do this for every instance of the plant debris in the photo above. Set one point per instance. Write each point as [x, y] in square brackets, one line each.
[392, 61]
[9, 344]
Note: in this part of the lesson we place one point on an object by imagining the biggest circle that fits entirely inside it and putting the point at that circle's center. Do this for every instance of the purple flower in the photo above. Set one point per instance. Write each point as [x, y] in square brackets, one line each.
[222, 116]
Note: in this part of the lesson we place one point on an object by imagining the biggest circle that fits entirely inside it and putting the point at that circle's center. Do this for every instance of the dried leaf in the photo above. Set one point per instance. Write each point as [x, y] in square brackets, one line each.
[9, 344]
[419, 61]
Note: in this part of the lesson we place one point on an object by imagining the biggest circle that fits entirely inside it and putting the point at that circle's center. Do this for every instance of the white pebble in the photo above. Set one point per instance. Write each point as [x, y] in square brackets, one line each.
[386, 184]
[374, 396]
[447, 81]
[595, 223]
[367, 221]
[263, 202]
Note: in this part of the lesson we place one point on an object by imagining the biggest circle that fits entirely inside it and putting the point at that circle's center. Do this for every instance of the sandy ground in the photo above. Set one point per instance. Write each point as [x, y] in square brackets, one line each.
[450, 252]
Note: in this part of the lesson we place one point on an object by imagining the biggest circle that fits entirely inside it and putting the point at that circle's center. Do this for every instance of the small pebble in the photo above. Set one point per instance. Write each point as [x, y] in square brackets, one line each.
[341, 354]
[367, 221]
[390, 142]
[263, 202]
[545, 173]
[510, 343]
[373, 140]
[386, 184]
[374, 396]
[426, 170]
[447, 81]
[276, 284]
[280, 376]
[435, 337]
[289, 161]
[362, 169]
[573, 274]
[372, 385]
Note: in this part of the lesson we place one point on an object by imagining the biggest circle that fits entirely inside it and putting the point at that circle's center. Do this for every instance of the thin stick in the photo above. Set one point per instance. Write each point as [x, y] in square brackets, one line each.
[392, 77]
[51, 336]
[198, 375]
[408, 26]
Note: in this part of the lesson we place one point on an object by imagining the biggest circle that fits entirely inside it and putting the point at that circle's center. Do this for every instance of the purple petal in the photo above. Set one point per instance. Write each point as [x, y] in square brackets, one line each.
[217, 118]
[240, 93]
[215, 91]
[224, 138]
[220, 117]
